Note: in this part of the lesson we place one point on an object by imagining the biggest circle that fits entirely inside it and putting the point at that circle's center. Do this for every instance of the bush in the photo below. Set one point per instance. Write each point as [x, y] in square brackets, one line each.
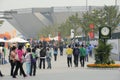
[104, 65]
[103, 53]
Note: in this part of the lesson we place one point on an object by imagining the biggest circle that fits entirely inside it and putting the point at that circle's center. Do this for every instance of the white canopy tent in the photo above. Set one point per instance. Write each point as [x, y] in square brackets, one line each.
[2, 40]
[54, 38]
[17, 39]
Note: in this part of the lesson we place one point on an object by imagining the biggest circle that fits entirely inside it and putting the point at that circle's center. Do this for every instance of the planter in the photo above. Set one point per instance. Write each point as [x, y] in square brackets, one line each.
[103, 65]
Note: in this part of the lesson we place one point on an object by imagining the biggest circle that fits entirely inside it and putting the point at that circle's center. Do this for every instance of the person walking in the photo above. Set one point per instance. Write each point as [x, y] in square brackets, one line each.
[82, 55]
[48, 57]
[42, 57]
[38, 52]
[28, 60]
[61, 49]
[19, 60]
[90, 50]
[69, 52]
[12, 59]
[76, 53]
[1, 54]
[55, 51]
[33, 62]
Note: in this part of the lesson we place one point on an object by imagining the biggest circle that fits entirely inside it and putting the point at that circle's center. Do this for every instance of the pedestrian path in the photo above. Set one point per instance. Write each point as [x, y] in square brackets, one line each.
[60, 71]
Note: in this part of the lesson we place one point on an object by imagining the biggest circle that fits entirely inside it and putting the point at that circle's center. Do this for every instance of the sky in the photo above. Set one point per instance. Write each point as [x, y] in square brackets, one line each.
[17, 4]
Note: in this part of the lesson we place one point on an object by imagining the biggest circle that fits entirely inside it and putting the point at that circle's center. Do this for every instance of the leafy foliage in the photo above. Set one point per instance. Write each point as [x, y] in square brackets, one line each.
[1, 21]
[102, 55]
[107, 16]
[46, 30]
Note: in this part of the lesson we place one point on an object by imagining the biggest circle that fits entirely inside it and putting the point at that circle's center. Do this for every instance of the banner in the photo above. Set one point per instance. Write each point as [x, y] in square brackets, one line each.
[91, 35]
[91, 26]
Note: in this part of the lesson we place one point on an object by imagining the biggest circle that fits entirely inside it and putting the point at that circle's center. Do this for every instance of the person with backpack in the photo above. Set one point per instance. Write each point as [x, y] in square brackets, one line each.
[69, 52]
[33, 62]
[76, 53]
[42, 57]
[82, 55]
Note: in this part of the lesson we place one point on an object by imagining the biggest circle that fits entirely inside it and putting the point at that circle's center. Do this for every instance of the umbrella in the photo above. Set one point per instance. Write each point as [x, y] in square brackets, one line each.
[2, 40]
[17, 39]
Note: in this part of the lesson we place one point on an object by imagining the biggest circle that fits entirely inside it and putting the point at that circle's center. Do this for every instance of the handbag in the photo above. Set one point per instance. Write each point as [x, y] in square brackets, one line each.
[23, 59]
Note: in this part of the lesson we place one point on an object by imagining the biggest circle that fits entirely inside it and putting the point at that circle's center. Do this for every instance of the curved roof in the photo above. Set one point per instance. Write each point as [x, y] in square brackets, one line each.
[29, 21]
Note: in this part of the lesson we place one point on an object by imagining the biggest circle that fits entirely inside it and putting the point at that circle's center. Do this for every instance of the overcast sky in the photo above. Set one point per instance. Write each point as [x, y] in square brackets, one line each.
[17, 4]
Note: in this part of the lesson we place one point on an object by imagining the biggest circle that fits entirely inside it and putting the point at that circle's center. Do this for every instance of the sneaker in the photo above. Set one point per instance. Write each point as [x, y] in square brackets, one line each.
[25, 76]
[14, 76]
[1, 75]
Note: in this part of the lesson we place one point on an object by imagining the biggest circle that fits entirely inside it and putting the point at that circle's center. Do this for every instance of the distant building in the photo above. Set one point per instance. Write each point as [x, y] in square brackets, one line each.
[29, 21]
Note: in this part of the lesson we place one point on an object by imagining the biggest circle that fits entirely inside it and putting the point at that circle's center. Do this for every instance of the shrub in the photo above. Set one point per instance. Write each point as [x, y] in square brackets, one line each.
[103, 53]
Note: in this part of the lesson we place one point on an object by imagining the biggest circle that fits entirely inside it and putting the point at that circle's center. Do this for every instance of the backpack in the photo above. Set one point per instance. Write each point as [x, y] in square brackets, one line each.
[76, 51]
[33, 57]
[43, 52]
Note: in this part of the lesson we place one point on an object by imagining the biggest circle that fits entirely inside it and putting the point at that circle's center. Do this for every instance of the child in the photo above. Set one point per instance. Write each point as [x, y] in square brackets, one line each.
[33, 62]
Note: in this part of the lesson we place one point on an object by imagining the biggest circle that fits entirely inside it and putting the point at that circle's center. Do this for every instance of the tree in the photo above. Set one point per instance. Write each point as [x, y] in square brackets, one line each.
[73, 22]
[1, 22]
[85, 22]
[46, 30]
[108, 16]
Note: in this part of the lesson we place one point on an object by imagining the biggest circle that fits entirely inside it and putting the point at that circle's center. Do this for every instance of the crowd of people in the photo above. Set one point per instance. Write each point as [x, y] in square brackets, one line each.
[36, 56]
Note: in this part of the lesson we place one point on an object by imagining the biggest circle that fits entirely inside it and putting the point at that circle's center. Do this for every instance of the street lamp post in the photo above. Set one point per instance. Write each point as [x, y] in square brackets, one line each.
[115, 2]
[86, 4]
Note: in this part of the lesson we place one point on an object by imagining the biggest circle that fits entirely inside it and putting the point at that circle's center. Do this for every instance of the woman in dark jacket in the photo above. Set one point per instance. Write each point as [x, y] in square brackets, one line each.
[42, 57]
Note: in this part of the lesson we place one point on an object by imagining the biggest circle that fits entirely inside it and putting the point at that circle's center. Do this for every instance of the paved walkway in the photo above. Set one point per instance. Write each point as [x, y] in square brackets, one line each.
[60, 71]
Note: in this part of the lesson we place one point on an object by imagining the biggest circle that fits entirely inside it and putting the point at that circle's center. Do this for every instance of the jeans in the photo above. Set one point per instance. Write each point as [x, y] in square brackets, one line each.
[48, 62]
[82, 61]
[55, 57]
[28, 65]
[18, 66]
[42, 60]
[12, 63]
[76, 60]
[69, 61]
[33, 69]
